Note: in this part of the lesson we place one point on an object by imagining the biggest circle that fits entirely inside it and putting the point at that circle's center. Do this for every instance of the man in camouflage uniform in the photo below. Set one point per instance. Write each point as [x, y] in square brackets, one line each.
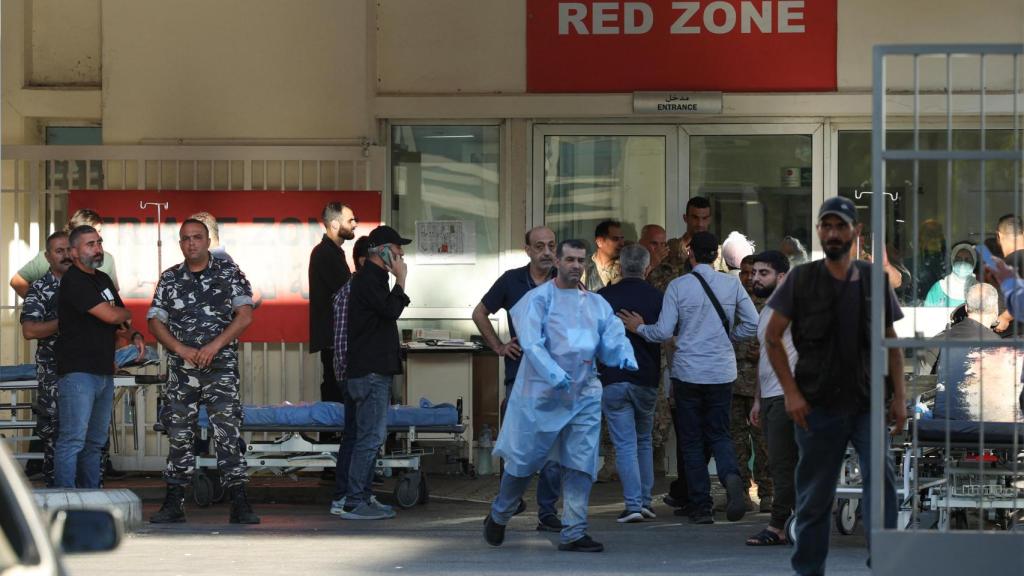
[39, 322]
[200, 308]
[746, 439]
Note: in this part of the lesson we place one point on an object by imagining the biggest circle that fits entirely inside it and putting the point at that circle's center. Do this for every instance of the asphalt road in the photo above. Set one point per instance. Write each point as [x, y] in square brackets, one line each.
[442, 537]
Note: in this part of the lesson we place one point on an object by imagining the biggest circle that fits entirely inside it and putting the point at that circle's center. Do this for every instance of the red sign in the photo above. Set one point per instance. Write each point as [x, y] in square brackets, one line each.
[724, 45]
[269, 234]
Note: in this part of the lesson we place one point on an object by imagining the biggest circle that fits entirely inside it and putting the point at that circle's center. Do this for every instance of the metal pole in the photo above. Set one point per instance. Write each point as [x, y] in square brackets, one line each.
[878, 352]
[160, 206]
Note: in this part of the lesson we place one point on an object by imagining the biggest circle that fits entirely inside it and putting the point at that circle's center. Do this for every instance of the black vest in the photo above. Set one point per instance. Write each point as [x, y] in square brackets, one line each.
[815, 325]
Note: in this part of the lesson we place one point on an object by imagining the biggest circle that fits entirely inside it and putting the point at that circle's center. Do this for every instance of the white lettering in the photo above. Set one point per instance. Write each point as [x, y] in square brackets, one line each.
[572, 13]
[709, 17]
[637, 11]
[603, 14]
[748, 14]
[790, 11]
[689, 9]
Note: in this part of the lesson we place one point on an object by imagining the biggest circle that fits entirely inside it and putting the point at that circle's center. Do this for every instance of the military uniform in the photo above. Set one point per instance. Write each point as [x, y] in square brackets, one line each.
[41, 306]
[747, 440]
[196, 308]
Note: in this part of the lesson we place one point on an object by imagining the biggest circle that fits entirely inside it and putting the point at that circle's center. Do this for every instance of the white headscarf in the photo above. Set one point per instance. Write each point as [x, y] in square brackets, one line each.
[955, 286]
[735, 248]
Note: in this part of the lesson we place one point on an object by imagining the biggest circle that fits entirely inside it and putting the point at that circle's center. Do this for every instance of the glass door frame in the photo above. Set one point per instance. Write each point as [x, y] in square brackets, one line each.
[818, 162]
[535, 200]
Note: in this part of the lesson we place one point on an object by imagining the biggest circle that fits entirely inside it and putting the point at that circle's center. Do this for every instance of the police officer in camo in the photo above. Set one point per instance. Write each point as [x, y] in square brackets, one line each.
[200, 308]
[39, 322]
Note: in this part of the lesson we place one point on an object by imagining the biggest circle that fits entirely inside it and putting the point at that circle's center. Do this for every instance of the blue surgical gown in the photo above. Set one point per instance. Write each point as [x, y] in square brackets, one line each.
[554, 411]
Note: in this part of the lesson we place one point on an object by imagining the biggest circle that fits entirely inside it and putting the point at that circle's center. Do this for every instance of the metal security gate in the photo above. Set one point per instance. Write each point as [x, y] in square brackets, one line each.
[960, 479]
[33, 203]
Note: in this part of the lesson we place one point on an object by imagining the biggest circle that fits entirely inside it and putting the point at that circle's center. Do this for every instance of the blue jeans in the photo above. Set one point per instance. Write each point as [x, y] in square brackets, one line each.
[702, 414]
[549, 482]
[629, 411]
[348, 444]
[370, 394]
[84, 401]
[822, 449]
[576, 487]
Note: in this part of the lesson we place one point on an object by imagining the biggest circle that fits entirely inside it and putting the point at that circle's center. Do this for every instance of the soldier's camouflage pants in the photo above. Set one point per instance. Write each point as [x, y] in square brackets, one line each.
[747, 440]
[217, 389]
[46, 419]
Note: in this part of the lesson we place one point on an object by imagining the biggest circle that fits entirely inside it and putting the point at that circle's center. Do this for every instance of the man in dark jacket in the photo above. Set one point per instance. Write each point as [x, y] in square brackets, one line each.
[629, 398]
[328, 271]
[374, 358]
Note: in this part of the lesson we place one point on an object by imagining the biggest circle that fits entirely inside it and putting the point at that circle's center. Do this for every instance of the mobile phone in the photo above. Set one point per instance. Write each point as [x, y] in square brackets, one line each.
[385, 255]
[986, 255]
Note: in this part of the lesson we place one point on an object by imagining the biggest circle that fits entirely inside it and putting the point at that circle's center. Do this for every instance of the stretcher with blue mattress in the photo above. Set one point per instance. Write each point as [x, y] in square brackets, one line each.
[293, 449]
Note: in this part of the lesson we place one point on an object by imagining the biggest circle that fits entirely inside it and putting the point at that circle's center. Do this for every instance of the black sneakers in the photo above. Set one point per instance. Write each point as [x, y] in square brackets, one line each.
[584, 544]
[494, 533]
[549, 523]
[702, 518]
[736, 507]
[628, 516]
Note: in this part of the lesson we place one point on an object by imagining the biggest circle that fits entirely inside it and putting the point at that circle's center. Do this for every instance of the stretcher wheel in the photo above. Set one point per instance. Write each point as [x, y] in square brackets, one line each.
[202, 489]
[424, 493]
[846, 515]
[408, 489]
[790, 529]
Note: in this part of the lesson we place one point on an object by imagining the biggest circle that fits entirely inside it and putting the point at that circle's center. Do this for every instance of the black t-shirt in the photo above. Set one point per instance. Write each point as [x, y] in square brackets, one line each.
[85, 343]
[328, 271]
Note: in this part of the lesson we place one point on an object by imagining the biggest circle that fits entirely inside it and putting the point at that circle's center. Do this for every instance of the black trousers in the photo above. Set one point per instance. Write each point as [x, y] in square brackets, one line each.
[777, 428]
[329, 389]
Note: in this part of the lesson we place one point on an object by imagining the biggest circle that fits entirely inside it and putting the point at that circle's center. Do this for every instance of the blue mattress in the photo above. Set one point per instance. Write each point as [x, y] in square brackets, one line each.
[332, 415]
[967, 432]
[17, 372]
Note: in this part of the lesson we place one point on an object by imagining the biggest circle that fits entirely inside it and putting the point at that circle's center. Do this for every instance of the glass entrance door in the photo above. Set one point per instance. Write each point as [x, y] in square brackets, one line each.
[763, 181]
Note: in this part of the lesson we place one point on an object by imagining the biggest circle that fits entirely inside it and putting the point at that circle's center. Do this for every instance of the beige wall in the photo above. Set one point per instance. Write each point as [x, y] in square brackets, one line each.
[65, 43]
[234, 69]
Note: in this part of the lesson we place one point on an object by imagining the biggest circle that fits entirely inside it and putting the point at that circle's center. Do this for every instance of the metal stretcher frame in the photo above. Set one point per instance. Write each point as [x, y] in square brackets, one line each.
[292, 451]
[912, 550]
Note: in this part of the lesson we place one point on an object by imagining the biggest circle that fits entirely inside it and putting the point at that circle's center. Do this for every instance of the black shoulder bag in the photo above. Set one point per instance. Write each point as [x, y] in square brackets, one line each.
[714, 302]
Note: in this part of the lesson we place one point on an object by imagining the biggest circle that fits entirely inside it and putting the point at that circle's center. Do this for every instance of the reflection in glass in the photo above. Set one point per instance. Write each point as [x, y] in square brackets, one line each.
[588, 179]
[758, 185]
[447, 173]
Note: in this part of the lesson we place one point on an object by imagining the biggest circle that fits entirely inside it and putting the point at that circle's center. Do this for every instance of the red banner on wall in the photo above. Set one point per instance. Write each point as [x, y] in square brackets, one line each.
[269, 234]
[721, 45]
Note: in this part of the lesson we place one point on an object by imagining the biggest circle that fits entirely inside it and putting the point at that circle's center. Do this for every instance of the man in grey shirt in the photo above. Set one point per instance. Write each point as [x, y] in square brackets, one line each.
[704, 369]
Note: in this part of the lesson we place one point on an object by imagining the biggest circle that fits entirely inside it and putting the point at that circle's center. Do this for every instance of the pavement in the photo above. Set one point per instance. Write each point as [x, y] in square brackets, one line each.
[299, 536]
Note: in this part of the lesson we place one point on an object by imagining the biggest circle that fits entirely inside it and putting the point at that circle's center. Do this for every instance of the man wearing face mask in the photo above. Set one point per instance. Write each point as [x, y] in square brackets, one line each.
[554, 412]
[373, 360]
[506, 293]
[828, 392]
[39, 322]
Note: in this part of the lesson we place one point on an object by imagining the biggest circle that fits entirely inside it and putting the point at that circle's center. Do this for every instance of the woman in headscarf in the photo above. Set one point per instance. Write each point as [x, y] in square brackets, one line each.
[950, 291]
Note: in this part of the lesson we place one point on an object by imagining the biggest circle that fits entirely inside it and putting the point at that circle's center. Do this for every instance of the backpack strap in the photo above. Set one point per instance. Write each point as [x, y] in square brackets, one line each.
[714, 301]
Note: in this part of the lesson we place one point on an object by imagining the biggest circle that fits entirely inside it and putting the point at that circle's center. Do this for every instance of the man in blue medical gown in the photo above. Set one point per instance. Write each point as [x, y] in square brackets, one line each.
[554, 412]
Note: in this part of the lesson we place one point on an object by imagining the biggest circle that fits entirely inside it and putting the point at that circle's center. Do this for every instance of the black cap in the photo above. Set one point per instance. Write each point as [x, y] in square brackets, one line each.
[704, 242]
[840, 206]
[382, 235]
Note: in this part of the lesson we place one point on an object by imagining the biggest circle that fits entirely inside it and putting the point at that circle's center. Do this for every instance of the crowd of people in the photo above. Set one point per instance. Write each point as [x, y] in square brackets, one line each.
[765, 356]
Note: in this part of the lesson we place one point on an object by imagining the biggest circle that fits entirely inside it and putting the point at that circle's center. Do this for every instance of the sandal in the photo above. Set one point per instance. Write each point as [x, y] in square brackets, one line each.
[766, 538]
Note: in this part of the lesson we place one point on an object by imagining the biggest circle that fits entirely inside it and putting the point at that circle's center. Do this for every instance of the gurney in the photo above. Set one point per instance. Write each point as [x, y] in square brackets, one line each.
[293, 449]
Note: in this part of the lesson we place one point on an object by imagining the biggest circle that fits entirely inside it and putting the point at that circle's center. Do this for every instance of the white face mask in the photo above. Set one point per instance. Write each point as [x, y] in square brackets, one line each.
[963, 269]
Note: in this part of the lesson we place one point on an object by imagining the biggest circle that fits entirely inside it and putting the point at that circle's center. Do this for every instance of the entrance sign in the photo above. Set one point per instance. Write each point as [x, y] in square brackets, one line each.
[677, 103]
[726, 45]
[269, 234]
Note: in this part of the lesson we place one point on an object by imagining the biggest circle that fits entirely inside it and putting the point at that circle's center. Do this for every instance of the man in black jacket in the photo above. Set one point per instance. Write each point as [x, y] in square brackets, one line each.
[373, 360]
[328, 271]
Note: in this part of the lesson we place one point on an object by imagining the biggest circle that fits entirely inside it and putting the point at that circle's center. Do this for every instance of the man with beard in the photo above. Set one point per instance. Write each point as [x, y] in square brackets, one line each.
[603, 267]
[199, 309]
[554, 412]
[769, 410]
[828, 392]
[89, 312]
[506, 293]
[328, 271]
[39, 322]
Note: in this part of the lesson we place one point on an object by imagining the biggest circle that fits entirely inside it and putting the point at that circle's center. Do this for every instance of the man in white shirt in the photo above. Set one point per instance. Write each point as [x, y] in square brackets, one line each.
[769, 411]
